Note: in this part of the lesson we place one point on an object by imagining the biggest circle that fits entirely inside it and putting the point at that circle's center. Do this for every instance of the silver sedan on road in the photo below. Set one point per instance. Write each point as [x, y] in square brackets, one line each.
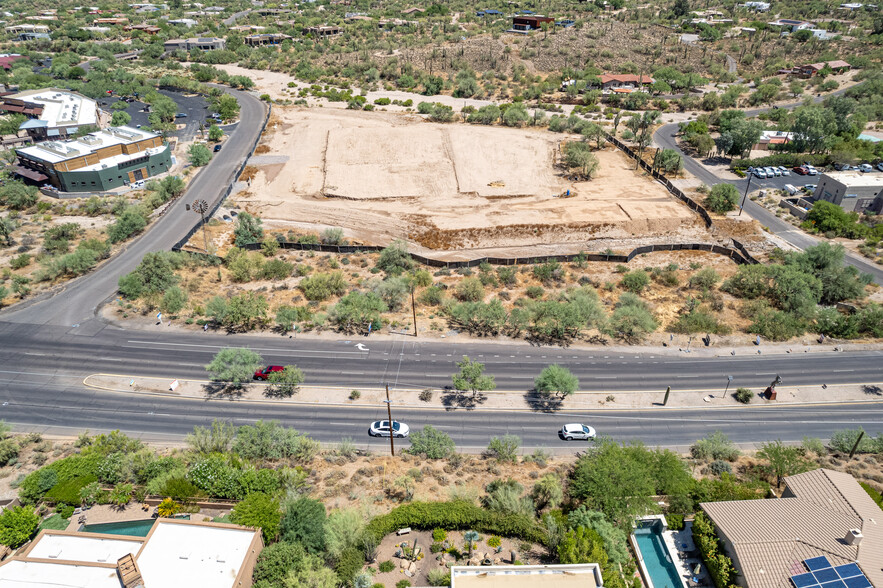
[577, 431]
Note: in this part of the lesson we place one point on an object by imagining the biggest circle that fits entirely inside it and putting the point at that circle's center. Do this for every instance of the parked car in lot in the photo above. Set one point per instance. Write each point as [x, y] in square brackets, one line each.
[772, 172]
[880, 166]
[810, 188]
[265, 373]
[759, 173]
[812, 171]
[784, 170]
[800, 170]
[577, 431]
[381, 429]
[790, 188]
[865, 168]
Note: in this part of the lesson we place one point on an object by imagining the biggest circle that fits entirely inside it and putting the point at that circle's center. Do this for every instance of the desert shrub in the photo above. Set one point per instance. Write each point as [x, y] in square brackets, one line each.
[720, 567]
[431, 443]
[455, 515]
[843, 441]
[722, 198]
[9, 450]
[469, 290]
[17, 525]
[68, 492]
[716, 446]
[744, 395]
[439, 577]
[705, 279]
[386, 566]
[698, 321]
[634, 281]
[719, 466]
[504, 448]
[259, 511]
[432, 296]
[322, 286]
[395, 258]
[631, 320]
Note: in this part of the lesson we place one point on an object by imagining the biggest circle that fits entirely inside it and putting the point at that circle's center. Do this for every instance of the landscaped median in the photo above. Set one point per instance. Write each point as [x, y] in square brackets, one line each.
[493, 400]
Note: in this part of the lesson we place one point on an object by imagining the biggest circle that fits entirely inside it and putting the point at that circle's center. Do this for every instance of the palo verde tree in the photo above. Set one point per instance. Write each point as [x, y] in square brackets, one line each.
[557, 379]
[472, 377]
[234, 366]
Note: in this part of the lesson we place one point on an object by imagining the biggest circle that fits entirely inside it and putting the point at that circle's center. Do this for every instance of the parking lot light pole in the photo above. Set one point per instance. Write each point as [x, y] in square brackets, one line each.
[744, 196]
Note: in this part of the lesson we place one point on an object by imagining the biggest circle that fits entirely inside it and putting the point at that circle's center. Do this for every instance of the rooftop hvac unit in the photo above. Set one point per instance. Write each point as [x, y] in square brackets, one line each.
[91, 140]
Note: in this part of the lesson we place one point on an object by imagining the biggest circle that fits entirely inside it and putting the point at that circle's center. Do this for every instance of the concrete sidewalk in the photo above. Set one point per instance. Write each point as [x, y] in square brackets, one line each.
[494, 400]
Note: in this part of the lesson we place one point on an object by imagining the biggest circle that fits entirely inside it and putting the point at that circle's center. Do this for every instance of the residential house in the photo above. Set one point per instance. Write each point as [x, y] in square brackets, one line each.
[414, 10]
[52, 113]
[174, 553]
[852, 191]
[323, 31]
[624, 82]
[823, 513]
[34, 37]
[791, 26]
[811, 69]
[195, 44]
[96, 162]
[7, 59]
[266, 39]
[111, 21]
[248, 28]
[187, 22]
[144, 28]
[489, 12]
[757, 6]
[524, 23]
[769, 139]
[26, 28]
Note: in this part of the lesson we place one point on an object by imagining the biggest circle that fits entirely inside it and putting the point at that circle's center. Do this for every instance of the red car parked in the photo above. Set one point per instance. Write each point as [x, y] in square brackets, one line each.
[800, 170]
[265, 373]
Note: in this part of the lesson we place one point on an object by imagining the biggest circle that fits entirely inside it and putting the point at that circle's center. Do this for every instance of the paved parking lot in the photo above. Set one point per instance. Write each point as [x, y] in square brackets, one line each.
[196, 108]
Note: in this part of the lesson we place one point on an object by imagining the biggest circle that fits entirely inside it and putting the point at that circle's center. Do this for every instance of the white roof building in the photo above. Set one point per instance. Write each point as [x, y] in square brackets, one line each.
[61, 110]
[175, 554]
[537, 576]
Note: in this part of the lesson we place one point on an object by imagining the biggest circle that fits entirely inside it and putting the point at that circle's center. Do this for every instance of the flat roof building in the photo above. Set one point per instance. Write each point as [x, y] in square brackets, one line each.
[266, 39]
[175, 553]
[323, 31]
[195, 43]
[852, 191]
[27, 28]
[52, 113]
[539, 576]
[96, 162]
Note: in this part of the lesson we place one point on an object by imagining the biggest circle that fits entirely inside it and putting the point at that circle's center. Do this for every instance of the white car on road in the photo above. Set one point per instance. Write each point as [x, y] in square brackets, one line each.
[381, 429]
[577, 431]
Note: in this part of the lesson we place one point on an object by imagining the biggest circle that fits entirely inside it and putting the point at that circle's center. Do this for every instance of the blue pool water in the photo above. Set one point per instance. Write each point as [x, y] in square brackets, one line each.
[131, 528]
[663, 573]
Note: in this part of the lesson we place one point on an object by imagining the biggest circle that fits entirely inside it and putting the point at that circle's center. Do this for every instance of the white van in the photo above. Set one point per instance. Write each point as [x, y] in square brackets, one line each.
[791, 189]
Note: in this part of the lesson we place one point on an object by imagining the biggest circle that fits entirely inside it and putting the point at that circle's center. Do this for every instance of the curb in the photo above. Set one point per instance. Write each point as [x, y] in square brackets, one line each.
[477, 409]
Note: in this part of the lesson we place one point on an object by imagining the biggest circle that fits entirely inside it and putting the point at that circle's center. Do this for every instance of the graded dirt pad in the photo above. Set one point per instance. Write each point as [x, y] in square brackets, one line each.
[383, 176]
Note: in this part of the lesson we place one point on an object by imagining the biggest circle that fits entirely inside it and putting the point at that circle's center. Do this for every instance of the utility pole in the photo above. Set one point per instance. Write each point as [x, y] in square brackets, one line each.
[414, 310]
[667, 392]
[392, 448]
[745, 195]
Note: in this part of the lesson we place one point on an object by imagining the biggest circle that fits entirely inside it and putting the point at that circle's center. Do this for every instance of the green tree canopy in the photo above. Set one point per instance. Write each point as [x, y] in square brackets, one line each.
[259, 511]
[234, 365]
[472, 377]
[557, 379]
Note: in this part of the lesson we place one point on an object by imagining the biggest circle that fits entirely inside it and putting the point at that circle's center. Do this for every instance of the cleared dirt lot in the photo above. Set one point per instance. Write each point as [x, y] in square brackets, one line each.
[382, 176]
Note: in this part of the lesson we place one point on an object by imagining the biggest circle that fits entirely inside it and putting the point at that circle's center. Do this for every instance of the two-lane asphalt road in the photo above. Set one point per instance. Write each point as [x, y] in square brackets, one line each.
[78, 299]
[665, 138]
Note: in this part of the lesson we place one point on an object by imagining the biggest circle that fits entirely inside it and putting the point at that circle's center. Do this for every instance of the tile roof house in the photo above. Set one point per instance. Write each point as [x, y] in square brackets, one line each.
[823, 512]
[811, 69]
[624, 82]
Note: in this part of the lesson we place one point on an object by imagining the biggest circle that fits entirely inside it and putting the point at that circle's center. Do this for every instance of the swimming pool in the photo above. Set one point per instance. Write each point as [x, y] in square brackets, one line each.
[139, 528]
[654, 553]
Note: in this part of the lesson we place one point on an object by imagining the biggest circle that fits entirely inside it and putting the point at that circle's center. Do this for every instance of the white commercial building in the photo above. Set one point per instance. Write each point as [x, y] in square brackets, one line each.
[174, 554]
[52, 113]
